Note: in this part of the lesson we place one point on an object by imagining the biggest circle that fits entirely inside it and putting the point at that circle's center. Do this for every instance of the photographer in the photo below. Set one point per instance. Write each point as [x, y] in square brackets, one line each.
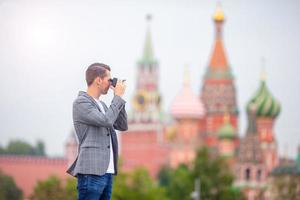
[94, 124]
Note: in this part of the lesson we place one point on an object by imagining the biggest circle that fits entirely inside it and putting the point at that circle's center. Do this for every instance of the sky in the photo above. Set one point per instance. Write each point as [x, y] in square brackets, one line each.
[46, 46]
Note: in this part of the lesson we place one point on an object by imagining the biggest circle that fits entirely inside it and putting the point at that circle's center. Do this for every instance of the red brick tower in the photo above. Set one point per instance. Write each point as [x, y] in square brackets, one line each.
[142, 145]
[218, 91]
[250, 169]
[71, 148]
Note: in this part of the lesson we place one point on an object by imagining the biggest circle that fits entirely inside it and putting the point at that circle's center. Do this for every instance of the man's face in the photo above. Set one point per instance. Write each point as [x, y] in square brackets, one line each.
[105, 83]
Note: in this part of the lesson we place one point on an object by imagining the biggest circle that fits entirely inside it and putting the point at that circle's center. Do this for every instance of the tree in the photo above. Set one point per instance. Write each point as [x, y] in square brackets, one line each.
[2, 151]
[137, 185]
[214, 174]
[53, 189]
[216, 177]
[39, 150]
[179, 182]
[19, 147]
[8, 188]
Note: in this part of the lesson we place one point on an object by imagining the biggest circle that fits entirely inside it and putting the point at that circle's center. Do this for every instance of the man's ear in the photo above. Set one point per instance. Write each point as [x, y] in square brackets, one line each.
[98, 80]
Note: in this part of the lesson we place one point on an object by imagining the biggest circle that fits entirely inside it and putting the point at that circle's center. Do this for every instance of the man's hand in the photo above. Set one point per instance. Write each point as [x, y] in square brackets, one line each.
[119, 89]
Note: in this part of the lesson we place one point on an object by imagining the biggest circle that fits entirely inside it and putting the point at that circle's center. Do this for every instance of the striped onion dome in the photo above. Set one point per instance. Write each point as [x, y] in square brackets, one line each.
[186, 105]
[264, 102]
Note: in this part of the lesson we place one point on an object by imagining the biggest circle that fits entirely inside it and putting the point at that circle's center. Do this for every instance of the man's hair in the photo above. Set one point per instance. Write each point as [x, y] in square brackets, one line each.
[95, 70]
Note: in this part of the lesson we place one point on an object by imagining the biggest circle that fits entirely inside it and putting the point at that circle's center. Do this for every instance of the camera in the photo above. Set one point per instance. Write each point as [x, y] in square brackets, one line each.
[113, 81]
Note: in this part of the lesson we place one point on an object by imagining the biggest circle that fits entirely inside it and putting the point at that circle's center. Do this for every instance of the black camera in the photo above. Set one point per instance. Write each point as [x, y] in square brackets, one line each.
[113, 81]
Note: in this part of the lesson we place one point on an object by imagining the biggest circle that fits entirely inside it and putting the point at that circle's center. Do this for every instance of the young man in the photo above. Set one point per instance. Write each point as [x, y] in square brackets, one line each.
[94, 124]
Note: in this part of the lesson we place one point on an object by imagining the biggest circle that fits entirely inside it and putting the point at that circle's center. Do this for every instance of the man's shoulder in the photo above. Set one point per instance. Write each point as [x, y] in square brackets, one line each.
[81, 98]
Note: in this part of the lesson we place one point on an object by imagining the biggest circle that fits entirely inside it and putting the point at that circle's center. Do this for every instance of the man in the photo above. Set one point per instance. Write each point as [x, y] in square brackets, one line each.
[94, 124]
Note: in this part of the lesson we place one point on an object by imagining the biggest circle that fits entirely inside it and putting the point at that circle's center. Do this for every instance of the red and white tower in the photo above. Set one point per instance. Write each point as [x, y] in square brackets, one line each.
[267, 110]
[142, 145]
[218, 91]
[250, 169]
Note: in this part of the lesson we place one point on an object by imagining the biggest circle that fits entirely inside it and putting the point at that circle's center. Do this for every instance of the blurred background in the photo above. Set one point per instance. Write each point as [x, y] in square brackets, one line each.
[46, 46]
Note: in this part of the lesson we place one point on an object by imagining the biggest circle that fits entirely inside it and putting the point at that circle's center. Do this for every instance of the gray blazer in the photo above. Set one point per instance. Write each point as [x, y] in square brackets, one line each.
[94, 131]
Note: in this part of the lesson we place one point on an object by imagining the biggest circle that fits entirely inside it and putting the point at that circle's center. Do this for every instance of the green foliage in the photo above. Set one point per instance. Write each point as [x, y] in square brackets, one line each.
[18, 147]
[39, 150]
[70, 188]
[127, 186]
[135, 186]
[53, 189]
[2, 151]
[8, 188]
[179, 182]
[286, 186]
[215, 177]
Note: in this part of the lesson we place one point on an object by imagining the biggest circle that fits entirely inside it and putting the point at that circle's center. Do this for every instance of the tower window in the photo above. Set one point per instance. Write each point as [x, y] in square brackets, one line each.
[258, 175]
[247, 174]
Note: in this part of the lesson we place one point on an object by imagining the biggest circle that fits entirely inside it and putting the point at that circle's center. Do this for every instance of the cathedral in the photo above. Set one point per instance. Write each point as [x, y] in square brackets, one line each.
[210, 118]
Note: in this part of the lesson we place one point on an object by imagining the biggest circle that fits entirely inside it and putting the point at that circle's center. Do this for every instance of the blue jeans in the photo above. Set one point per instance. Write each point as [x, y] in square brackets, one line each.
[93, 187]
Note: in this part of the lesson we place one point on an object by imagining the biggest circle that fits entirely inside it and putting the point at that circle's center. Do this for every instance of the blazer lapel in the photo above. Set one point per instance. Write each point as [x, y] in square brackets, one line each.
[94, 102]
[104, 106]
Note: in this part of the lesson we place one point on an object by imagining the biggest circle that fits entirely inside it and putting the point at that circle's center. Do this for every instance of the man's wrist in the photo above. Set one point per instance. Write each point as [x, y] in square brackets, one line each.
[119, 100]
[118, 95]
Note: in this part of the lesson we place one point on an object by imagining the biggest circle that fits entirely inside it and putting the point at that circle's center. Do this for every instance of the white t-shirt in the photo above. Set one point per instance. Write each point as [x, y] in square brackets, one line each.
[110, 169]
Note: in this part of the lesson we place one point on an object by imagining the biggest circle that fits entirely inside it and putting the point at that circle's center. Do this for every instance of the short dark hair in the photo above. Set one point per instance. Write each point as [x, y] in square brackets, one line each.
[95, 70]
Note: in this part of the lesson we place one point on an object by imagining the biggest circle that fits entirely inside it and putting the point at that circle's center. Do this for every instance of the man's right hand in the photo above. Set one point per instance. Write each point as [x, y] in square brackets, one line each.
[120, 88]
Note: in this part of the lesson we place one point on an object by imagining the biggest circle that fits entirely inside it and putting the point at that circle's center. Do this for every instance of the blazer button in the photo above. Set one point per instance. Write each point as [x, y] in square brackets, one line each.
[107, 134]
[108, 146]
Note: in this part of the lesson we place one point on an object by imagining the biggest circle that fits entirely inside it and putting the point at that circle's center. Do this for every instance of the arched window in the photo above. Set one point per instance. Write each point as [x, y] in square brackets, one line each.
[247, 174]
[258, 175]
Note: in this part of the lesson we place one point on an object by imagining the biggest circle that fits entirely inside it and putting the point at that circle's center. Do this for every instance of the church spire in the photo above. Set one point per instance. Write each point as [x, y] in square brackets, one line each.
[263, 74]
[218, 65]
[219, 19]
[218, 91]
[148, 55]
[186, 78]
[147, 99]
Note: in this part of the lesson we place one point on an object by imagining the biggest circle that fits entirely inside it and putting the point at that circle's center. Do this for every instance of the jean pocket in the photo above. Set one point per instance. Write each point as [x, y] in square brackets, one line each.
[82, 181]
[96, 183]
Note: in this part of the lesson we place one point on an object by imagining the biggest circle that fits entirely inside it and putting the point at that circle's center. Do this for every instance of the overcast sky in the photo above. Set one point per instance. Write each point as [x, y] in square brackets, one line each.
[45, 47]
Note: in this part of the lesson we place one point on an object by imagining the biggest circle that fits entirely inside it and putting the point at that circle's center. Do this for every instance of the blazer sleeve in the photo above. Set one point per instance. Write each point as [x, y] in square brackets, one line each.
[84, 111]
[121, 123]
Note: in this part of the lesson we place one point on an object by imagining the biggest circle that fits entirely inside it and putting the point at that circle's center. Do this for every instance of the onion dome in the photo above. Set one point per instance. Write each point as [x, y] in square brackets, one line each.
[264, 102]
[186, 104]
[226, 131]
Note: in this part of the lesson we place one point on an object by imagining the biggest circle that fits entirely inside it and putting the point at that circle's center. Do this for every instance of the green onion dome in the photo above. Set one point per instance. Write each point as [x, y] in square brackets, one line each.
[226, 131]
[264, 103]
